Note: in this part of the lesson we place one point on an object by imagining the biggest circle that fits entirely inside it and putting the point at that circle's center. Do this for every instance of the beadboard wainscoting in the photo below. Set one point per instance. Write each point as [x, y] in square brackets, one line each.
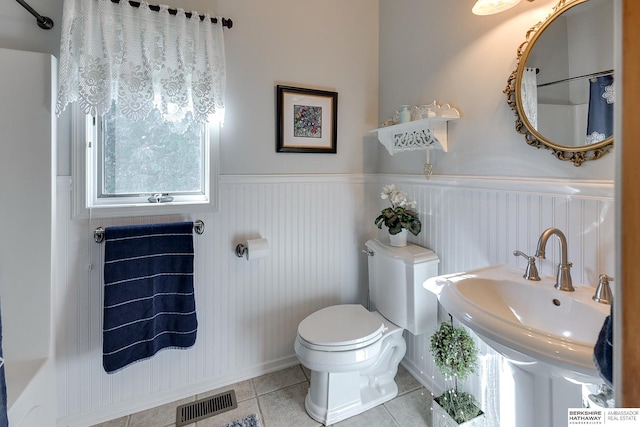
[248, 311]
[472, 222]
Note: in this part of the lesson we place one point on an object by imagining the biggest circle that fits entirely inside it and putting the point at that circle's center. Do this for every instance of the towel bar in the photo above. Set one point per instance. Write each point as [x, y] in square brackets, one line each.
[98, 234]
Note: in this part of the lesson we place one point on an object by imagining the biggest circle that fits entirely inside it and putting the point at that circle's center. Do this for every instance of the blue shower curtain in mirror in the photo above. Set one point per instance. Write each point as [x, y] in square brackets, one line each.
[601, 99]
[4, 422]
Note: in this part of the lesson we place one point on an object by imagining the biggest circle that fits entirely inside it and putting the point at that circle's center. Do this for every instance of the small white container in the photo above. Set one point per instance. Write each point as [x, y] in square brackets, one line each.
[404, 114]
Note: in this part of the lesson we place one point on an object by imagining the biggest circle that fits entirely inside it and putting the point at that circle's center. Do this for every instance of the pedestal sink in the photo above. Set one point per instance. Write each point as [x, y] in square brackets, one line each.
[546, 335]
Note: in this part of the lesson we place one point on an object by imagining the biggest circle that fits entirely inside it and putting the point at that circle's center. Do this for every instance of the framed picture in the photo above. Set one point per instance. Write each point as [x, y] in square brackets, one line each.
[306, 120]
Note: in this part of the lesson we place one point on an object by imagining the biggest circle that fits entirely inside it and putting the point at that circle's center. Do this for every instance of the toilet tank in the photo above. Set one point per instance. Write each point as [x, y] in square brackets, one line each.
[396, 275]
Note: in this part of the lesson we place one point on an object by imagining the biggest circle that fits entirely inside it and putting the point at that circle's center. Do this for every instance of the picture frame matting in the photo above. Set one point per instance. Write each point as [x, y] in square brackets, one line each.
[306, 120]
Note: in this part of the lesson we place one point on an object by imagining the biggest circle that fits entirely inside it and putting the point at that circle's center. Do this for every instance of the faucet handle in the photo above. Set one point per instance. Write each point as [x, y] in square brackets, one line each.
[531, 272]
[603, 293]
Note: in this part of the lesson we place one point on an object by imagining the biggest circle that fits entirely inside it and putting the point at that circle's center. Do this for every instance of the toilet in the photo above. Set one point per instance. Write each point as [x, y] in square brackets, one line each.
[353, 353]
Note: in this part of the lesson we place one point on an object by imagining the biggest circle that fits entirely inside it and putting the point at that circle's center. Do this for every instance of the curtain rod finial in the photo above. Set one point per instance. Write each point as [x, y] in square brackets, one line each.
[45, 23]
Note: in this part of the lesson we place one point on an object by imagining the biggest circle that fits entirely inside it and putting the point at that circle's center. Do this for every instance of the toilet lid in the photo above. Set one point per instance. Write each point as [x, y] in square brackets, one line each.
[349, 325]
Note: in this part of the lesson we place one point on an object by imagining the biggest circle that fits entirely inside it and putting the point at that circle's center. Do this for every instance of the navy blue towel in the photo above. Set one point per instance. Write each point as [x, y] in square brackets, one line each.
[149, 301]
[603, 350]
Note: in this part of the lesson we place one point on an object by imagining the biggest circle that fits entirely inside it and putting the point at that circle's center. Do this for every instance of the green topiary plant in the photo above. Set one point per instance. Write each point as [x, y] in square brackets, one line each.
[456, 356]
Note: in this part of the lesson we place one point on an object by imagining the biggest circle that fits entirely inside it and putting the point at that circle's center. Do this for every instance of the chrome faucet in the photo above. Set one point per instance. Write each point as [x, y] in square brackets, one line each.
[603, 291]
[531, 272]
[563, 279]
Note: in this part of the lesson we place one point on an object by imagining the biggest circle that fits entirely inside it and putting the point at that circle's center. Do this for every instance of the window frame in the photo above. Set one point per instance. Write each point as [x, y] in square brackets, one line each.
[86, 203]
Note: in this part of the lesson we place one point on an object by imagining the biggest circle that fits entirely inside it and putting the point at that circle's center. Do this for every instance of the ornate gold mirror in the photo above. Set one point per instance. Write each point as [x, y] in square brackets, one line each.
[562, 90]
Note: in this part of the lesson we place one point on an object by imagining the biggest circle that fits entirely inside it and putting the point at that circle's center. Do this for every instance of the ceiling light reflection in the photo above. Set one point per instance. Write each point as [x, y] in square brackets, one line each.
[489, 7]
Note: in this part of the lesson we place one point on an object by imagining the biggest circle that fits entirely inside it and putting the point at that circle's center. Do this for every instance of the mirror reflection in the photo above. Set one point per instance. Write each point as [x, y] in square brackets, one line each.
[567, 84]
[562, 90]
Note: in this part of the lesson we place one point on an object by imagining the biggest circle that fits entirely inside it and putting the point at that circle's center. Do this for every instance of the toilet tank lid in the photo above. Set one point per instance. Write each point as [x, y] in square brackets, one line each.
[410, 254]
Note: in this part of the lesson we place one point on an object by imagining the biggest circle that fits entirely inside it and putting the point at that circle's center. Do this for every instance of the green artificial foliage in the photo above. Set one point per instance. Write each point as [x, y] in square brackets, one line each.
[401, 214]
[456, 356]
[398, 218]
[455, 351]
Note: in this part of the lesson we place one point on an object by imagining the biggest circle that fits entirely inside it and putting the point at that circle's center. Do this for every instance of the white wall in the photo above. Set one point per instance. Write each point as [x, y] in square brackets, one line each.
[551, 57]
[27, 127]
[27, 169]
[567, 49]
[562, 122]
[591, 31]
[431, 49]
[19, 30]
[330, 45]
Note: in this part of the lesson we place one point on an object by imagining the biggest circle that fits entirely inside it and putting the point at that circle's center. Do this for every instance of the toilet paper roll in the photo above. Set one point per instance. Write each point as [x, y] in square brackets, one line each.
[257, 249]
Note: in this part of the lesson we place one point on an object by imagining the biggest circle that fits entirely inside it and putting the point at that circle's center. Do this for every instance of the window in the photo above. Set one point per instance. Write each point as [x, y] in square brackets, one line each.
[151, 157]
[144, 59]
[148, 167]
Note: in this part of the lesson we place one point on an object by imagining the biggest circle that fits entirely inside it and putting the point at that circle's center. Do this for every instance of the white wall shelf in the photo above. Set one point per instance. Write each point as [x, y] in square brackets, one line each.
[418, 134]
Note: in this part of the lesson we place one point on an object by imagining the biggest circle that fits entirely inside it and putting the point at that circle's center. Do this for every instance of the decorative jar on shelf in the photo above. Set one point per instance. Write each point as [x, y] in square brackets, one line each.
[404, 114]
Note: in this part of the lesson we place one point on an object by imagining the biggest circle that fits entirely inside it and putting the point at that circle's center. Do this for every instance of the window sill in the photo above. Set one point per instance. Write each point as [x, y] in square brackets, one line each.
[146, 209]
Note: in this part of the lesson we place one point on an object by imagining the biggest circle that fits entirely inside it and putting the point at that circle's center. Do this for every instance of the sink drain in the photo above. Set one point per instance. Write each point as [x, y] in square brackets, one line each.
[556, 302]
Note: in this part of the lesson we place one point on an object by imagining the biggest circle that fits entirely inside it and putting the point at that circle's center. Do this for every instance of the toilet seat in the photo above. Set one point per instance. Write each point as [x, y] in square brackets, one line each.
[340, 328]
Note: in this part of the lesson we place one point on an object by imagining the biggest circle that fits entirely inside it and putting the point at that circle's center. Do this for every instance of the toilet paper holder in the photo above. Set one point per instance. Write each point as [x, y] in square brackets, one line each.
[241, 250]
[253, 249]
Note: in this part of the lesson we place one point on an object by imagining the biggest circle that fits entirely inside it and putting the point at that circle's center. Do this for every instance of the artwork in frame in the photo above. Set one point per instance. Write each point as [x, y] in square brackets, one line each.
[306, 120]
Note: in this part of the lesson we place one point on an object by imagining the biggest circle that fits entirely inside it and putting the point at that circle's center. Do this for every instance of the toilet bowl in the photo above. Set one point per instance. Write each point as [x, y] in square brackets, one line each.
[353, 372]
[353, 353]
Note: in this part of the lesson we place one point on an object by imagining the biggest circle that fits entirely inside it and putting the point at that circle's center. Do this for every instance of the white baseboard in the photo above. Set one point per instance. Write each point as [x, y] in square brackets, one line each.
[423, 379]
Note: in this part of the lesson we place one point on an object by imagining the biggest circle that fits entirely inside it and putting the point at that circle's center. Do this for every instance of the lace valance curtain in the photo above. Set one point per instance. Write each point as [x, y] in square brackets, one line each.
[140, 60]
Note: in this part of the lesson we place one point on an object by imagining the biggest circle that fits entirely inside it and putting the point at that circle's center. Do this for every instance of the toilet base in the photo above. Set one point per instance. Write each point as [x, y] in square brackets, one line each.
[347, 398]
[335, 396]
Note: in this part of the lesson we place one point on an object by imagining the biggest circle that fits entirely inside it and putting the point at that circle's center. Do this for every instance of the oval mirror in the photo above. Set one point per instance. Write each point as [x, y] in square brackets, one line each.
[562, 90]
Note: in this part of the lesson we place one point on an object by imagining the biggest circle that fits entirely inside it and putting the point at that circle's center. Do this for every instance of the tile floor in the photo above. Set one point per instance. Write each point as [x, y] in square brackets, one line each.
[278, 399]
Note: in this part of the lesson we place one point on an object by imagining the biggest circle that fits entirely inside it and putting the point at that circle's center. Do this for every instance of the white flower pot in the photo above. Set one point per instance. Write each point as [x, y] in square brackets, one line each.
[442, 419]
[399, 239]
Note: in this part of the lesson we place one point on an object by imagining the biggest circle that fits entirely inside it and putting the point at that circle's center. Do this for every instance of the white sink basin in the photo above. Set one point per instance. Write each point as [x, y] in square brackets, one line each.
[535, 326]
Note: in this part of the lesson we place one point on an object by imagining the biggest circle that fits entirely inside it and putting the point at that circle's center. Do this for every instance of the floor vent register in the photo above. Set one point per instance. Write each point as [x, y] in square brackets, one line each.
[204, 408]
